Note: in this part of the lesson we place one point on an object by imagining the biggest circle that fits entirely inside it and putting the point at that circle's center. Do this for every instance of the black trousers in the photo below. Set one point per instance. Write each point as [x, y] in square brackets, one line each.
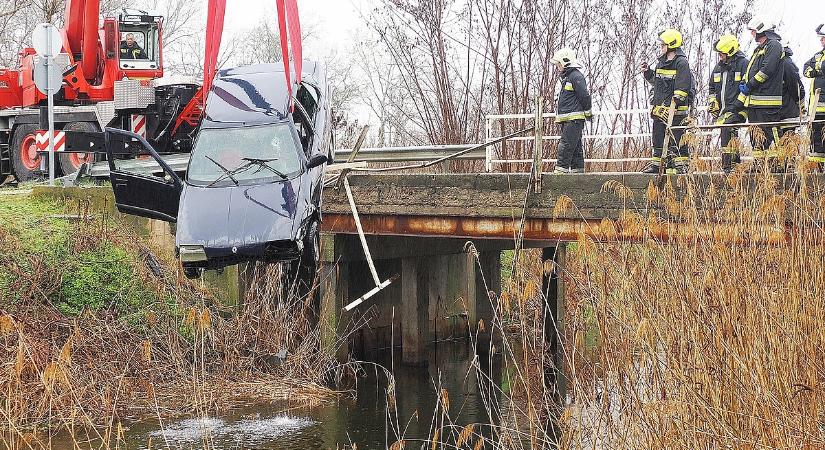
[726, 134]
[770, 132]
[817, 134]
[571, 152]
[659, 129]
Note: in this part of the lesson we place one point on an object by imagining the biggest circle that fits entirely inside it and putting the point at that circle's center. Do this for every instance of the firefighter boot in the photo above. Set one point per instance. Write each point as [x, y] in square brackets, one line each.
[652, 168]
[681, 164]
[730, 161]
[775, 164]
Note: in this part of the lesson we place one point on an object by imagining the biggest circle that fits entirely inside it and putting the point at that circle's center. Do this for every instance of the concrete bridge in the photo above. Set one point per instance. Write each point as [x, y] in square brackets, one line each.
[418, 226]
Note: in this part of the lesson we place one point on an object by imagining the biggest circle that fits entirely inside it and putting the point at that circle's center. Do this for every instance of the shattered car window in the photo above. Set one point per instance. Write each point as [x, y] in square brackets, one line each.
[219, 150]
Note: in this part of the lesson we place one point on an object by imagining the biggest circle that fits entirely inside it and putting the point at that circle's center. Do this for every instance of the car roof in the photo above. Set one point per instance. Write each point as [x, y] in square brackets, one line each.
[255, 93]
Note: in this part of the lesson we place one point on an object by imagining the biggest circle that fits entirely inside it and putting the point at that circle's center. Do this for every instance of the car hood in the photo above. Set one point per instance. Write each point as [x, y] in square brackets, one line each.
[221, 217]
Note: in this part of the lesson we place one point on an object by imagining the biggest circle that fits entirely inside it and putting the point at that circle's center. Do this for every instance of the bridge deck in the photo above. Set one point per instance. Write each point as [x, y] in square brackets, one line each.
[491, 205]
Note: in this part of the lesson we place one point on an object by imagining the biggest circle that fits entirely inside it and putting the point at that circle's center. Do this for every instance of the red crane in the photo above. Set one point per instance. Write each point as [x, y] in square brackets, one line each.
[107, 82]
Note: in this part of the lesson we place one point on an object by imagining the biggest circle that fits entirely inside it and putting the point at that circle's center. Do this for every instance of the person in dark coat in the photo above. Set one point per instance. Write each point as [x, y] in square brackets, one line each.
[673, 84]
[129, 49]
[762, 89]
[573, 108]
[723, 102]
[815, 69]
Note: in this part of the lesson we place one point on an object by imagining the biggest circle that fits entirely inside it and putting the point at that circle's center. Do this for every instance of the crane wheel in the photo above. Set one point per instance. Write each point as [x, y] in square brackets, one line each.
[70, 162]
[25, 160]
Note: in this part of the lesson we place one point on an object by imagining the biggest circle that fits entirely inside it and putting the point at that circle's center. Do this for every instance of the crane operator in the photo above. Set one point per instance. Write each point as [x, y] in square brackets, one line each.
[129, 49]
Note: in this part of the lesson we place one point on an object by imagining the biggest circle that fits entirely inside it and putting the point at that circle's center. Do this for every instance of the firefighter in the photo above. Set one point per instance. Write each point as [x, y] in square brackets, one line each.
[672, 83]
[762, 88]
[573, 108]
[129, 49]
[815, 69]
[724, 103]
[793, 93]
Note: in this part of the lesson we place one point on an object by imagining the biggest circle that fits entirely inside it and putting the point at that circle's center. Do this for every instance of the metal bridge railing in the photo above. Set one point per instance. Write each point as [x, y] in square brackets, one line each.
[492, 119]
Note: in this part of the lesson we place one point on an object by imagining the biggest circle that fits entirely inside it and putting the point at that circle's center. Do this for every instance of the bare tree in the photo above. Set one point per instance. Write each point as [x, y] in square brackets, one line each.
[458, 60]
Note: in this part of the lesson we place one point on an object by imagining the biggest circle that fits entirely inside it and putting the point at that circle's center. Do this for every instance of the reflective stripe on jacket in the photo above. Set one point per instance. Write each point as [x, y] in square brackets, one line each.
[672, 80]
[765, 75]
[815, 69]
[724, 83]
[574, 101]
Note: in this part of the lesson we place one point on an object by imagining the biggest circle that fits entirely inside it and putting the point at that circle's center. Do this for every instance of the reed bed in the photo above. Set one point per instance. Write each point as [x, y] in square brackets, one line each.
[712, 337]
[161, 346]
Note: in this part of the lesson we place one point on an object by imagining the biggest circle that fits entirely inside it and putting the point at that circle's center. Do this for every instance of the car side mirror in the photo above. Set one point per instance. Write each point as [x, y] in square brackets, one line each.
[317, 160]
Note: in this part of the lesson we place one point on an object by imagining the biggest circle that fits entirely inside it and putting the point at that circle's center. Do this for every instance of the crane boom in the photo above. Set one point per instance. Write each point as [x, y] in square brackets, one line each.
[82, 25]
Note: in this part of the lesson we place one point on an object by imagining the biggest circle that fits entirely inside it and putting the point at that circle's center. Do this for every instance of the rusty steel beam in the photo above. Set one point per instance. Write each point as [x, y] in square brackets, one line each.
[604, 230]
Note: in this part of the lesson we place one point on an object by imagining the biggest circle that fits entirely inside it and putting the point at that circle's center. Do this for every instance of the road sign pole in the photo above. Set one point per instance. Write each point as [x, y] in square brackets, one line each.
[50, 96]
[48, 43]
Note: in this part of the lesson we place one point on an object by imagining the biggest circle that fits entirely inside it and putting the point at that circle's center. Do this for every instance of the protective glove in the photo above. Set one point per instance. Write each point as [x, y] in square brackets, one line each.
[713, 106]
[722, 119]
[660, 111]
[744, 88]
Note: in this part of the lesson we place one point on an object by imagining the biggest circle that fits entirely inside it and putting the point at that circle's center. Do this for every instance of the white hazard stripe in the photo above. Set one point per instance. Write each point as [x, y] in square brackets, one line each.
[139, 124]
[41, 140]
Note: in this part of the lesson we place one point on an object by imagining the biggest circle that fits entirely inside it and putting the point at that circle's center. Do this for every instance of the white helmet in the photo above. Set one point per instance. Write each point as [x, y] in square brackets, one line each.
[566, 57]
[761, 25]
[820, 30]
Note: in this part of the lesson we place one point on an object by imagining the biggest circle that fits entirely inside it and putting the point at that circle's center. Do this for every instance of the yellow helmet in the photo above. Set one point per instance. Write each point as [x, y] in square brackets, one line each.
[727, 44]
[671, 37]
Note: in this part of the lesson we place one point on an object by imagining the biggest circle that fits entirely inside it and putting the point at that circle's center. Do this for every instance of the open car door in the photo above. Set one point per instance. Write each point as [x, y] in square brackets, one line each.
[142, 187]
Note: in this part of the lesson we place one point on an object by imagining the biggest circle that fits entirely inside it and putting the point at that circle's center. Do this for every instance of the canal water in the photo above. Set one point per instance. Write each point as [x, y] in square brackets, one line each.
[364, 421]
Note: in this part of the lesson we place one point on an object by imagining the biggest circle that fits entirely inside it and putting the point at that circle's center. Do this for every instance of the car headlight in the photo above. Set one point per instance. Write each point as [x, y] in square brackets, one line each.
[192, 253]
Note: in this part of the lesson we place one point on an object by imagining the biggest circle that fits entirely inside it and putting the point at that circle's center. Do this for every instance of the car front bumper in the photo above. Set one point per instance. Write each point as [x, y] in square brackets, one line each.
[219, 257]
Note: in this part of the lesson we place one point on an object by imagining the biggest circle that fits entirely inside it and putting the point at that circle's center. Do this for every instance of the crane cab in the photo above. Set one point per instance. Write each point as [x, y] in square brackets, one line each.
[133, 43]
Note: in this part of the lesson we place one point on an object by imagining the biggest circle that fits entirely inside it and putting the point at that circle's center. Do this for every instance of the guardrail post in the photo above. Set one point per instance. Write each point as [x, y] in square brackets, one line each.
[537, 147]
[488, 151]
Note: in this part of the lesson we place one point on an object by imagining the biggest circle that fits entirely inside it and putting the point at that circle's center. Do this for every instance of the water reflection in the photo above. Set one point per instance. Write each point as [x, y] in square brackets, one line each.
[363, 421]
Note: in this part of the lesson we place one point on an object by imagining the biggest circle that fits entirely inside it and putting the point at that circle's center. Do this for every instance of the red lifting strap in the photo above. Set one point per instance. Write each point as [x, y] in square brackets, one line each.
[214, 32]
[289, 25]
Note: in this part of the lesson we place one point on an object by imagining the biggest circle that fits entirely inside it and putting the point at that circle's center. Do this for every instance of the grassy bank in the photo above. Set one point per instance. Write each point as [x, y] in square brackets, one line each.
[97, 326]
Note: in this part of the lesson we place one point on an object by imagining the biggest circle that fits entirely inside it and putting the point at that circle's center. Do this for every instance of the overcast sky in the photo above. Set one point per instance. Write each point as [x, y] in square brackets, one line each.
[338, 22]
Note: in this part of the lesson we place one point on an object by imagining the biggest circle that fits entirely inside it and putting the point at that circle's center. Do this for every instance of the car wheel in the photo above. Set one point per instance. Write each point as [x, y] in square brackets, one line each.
[70, 162]
[300, 274]
[312, 249]
[24, 157]
[192, 272]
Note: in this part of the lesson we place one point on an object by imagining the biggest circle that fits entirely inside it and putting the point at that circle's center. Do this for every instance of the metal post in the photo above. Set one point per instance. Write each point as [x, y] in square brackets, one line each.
[378, 284]
[537, 147]
[488, 151]
[49, 68]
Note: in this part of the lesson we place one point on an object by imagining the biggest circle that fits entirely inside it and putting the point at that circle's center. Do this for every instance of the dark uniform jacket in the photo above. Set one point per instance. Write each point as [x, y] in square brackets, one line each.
[815, 68]
[672, 80]
[724, 83]
[793, 91]
[574, 101]
[765, 75]
[133, 52]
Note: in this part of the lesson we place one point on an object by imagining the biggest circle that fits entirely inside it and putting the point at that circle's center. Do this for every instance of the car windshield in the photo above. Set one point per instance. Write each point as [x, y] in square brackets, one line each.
[243, 154]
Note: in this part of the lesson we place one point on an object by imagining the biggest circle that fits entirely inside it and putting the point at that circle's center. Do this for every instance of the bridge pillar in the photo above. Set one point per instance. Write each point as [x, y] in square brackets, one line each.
[488, 288]
[442, 293]
[555, 372]
[334, 294]
[415, 323]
